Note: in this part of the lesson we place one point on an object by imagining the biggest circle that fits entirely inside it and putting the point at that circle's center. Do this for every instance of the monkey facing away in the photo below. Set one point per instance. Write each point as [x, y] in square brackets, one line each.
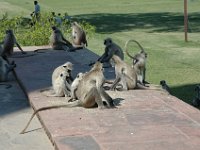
[111, 49]
[5, 68]
[57, 40]
[9, 43]
[78, 35]
[139, 61]
[89, 93]
[126, 76]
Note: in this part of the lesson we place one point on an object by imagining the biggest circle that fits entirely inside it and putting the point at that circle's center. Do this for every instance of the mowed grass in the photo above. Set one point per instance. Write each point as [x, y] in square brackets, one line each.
[157, 25]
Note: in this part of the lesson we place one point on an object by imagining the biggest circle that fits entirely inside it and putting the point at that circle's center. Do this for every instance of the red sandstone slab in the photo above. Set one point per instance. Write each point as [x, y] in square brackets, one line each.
[143, 120]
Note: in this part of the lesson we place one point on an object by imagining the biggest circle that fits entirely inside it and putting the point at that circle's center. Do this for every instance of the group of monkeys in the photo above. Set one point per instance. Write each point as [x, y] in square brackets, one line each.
[87, 89]
[57, 42]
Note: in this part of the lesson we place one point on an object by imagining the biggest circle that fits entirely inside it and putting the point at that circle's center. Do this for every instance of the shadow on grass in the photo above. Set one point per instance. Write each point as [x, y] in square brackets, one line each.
[153, 22]
[185, 92]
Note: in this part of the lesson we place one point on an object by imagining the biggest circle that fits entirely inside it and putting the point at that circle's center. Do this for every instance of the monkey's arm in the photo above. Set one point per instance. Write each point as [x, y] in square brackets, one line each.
[109, 53]
[105, 56]
[66, 41]
[67, 89]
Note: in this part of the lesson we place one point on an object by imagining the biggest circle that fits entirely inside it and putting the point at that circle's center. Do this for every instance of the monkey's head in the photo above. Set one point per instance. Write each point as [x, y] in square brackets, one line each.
[80, 75]
[53, 28]
[143, 53]
[74, 24]
[107, 41]
[68, 66]
[9, 31]
[97, 66]
[64, 75]
[162, 82]
[116, 59]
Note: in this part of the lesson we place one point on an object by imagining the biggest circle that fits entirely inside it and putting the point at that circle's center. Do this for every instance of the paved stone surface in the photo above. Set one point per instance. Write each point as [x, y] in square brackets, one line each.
[143, 119]
[14, 111]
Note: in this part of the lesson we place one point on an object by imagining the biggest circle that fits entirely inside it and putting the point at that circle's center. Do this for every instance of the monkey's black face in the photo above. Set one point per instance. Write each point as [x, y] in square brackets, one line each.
[8, 31]
[107, 41]
[162, 82]
[53, 28]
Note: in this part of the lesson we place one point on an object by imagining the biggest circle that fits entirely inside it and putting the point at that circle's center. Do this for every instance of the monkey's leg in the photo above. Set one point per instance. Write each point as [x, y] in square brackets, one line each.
[144, 77]
[113, 86]
[67, 89]
[65, 48]
[108, 99]
[94, 95]
[123, 82]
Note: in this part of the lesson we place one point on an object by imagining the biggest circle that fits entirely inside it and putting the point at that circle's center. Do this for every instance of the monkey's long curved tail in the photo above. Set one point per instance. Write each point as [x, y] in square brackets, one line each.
[126, 47]
[70, 104]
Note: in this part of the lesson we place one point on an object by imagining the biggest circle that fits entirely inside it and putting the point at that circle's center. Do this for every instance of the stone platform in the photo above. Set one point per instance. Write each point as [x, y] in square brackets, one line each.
[143, 119]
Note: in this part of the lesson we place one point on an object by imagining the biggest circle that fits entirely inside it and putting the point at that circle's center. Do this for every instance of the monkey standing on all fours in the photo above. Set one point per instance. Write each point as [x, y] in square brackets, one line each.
[89, 93]
[57, 40]
[8, 44]
[110, 49]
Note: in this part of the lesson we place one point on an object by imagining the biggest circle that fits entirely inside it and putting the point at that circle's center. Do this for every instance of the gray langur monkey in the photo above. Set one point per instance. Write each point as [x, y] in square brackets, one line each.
[60, 85]
[111, 49]
[9, 43]
[196, 100]
[57, 40]
[78, 36]
[75, 84]
[89, 93]
[68, 67]
[139, 61]
[5, 68]
[61, 81]
[127, 76]
[165, 87]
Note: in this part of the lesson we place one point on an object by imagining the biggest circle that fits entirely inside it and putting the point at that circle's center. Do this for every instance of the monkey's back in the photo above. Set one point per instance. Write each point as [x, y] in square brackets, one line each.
[8, 44]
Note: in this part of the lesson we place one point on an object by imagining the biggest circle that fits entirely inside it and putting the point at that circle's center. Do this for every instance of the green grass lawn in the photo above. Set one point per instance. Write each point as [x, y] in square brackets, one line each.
[157, 25]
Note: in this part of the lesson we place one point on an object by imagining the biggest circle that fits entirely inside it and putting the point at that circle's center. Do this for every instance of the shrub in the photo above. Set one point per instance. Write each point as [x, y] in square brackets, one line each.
[39, 32]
